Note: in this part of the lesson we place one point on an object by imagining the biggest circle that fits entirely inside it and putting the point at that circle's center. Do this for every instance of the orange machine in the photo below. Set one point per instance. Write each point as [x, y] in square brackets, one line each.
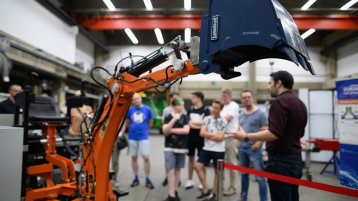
[232, 33]
[93, 182]
[45, 170]
[328, 145]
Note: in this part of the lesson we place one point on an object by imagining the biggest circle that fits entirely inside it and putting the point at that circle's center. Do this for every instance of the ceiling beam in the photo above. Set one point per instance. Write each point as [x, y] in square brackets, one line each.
[138, 11]
[304, 22]
[108, 22]
[326, 22]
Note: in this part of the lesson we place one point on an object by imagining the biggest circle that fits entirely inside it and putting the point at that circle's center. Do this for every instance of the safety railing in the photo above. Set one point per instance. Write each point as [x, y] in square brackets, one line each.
[310, 184]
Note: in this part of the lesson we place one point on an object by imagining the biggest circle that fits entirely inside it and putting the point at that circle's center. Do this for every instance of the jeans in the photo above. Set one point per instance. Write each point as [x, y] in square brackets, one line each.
[247, 157]
[285, 165]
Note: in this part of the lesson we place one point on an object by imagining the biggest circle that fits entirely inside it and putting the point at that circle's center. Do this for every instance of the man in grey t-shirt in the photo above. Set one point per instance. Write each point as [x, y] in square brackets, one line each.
[252, 119]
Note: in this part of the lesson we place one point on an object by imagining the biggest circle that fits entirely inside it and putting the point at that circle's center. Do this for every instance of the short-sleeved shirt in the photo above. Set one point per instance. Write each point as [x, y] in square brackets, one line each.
[231, 109]
[252, 123]
[287, 120]
[7, 107]
[168, 110]
[197, 115]
[175, 142]
[214, 125]
[139, 122]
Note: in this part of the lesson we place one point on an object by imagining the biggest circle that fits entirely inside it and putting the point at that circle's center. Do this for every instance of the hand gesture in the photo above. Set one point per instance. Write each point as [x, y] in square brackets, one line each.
[240, 134]
[176, 116]
[119, 136]
[255, 147]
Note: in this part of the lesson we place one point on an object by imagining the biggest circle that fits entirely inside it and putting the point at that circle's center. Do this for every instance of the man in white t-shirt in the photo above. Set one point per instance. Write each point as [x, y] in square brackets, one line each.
[213, 131]
[230, 113]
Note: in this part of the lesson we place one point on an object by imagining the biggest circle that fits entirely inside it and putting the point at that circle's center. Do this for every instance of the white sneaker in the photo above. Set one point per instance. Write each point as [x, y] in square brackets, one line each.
[116, 184]
[200, 187]
[189, 184]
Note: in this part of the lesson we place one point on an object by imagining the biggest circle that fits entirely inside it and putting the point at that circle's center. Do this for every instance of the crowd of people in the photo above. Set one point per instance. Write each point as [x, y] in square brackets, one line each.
[221, 132]
[209, 133]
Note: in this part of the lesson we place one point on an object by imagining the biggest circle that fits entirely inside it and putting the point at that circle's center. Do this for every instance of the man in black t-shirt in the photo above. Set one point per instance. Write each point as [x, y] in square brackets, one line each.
[175, 129]
[196, 114]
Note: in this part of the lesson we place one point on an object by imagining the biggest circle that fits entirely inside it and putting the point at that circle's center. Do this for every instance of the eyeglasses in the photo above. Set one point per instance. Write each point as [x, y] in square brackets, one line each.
[246, 97]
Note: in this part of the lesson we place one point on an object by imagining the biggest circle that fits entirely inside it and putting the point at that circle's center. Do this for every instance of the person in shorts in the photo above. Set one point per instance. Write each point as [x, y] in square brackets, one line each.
[213, 131]
[196, 114]
[139, 120]
[176, 130]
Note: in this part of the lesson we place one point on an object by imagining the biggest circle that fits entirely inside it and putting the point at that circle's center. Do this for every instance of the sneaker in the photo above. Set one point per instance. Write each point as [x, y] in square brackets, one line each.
[189, 184]
[213, 198]
[149, 184]
[135, 183]
[169, 198]
[200, 186]
[165, 182]
[116, 184]
[177, 196]
[230, 191]
[204, 196]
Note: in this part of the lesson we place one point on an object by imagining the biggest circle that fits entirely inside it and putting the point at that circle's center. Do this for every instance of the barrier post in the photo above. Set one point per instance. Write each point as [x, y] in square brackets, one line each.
[220, 167]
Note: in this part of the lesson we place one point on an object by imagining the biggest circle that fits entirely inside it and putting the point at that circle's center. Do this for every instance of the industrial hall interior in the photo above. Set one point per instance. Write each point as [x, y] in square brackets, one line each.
[185, 100]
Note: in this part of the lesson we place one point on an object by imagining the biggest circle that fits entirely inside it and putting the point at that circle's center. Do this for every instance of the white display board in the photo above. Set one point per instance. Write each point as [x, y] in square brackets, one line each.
[11, 165]
[321, 120]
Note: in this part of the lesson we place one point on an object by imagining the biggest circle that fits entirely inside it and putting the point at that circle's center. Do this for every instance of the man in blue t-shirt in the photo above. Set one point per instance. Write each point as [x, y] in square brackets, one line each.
[139, 120]
[252, 119]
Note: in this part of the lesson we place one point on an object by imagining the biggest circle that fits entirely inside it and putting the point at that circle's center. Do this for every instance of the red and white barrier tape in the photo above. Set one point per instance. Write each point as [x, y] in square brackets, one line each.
[291, 180]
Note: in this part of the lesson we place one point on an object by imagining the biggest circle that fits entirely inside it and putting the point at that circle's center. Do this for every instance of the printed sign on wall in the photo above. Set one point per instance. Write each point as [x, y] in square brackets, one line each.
[347, 92]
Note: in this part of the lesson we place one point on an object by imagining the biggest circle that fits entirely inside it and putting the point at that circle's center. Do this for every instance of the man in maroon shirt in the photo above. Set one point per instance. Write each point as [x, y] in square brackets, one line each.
[287, 122]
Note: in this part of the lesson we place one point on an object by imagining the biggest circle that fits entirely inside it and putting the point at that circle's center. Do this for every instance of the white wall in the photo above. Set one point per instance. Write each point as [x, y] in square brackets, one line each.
[85, 52]
[347, 60]
[30, 22]
[263, 68]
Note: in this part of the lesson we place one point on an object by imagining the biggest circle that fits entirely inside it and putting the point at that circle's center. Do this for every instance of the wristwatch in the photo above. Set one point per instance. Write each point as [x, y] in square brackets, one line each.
[246, 138]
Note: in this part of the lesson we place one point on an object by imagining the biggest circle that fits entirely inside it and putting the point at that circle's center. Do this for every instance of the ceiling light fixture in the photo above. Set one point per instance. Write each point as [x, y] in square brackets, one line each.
[148, 4]
[308, 4]
[187, 34]
[159, 35]
[131, 35]
[187, 4]
[308, 33]
[109, 4]
[349, 4]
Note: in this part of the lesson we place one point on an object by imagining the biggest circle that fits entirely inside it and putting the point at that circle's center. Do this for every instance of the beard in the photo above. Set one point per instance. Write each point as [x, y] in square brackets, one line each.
[274, 93]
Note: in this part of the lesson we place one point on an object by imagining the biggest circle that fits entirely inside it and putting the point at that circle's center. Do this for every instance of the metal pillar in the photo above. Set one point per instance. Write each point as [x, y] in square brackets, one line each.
[220, 166]
[252, 78]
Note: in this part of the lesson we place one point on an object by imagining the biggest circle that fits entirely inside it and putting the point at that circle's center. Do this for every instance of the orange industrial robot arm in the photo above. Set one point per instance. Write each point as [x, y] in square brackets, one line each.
[97, 147]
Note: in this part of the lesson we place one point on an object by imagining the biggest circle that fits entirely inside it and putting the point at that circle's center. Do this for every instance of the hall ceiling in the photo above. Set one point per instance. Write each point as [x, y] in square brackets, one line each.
[326, 15]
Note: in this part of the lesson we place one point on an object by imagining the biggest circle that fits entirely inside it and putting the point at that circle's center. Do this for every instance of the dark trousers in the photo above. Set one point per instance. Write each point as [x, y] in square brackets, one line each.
[289, 165]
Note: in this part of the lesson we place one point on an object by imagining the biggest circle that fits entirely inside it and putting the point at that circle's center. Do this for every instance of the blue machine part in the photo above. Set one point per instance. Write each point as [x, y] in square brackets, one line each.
[236, 31]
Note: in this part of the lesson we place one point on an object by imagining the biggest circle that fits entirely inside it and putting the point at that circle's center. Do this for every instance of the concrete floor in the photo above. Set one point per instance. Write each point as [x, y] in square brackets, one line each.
[141, 193]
